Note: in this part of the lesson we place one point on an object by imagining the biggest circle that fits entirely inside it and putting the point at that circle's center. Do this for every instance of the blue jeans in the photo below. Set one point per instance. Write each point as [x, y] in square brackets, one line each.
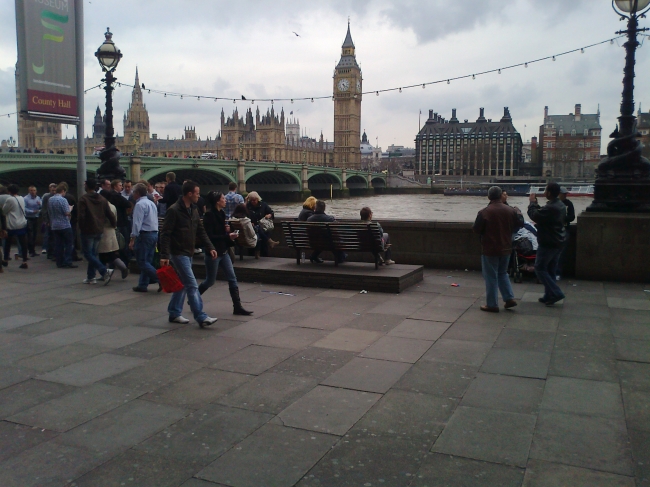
[145, 247]
[546, 268]
[212, 266]
[495, 274]
[89, 245]
[63, 246]
[183, 266]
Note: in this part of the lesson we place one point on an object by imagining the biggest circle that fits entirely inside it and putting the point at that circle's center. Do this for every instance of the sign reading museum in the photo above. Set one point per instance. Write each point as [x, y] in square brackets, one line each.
[47, 59]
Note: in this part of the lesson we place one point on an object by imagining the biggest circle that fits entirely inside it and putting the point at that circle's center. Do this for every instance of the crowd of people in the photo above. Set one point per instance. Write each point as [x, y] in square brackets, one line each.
[499, 225]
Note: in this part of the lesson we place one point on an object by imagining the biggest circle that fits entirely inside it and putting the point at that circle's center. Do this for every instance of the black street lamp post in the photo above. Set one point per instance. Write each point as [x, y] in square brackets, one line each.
[623, 177]
[109, 57]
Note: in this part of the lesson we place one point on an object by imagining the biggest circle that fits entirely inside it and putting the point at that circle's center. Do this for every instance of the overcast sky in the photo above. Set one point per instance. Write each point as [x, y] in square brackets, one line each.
[226, 48]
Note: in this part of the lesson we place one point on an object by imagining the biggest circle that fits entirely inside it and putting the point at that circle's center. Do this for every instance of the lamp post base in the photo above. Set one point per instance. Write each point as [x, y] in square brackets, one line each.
[627, 196]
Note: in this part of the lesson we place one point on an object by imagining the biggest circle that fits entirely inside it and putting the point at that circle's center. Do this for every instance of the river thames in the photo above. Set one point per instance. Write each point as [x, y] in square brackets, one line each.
[416, 207]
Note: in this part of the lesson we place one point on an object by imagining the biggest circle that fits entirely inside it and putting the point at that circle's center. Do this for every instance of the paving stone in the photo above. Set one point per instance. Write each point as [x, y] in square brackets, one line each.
[16, 321]
[475, 316]
[585, 310]
[633, 350]
[534, 323]
[13, 352]
[521, 363]
[6, 338]
[211, 349]
[483, 434]
[293, 337]
[124, 336]
[269, 392]
[198, 388]
[137, 468]
[546, 474]
[15, 438]
[254, 359]
[91, 370]
[598, 326]
[475, 332]
[375, 322]
[461, 352]
[60, 357]
[583, 365]
[631, 330]
[204, 435]
[627, 303]
[440, 470]
[397, 349]
[419, 329]
[327, 410]
[121, 428]
[154, 373]
[637, 409]
[362, 458]
[328, 321]
[368, 375]
[432, 313]
[348, 339]
[14, 375]
[640, 442]
[401, 306]
[68, 411]
[200, 483]
[254, 330]
[590, 442]
[630, 316]
[109, 299]
[586, 342]
[504, 393]
[634, 376]
[73, 334]
[441, 379]
[408, 414]
[272, 455]
[453, 302]
[314, 362]
[29, 393]
[47, 464]
[152, 347]
[516, 339]
[578, 396]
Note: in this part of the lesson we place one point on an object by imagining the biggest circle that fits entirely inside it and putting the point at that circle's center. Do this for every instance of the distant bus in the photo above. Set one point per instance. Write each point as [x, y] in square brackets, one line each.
[208, 155]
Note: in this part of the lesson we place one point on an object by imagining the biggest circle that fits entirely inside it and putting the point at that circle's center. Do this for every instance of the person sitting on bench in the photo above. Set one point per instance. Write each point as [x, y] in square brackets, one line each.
[320, 216]
[240, 214]
[366, 217]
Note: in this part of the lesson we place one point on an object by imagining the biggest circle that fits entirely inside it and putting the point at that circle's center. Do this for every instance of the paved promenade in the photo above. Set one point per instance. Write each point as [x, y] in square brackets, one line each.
[322, 388]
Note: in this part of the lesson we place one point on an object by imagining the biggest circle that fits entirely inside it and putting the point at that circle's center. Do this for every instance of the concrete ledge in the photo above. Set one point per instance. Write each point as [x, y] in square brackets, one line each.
[613, 247]
[350, 275]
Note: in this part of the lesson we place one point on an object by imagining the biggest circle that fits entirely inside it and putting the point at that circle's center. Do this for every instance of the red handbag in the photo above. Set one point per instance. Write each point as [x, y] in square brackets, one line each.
[169, 279]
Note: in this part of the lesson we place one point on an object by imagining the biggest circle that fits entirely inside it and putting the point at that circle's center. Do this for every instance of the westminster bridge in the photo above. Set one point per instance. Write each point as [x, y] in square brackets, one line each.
[275, 179]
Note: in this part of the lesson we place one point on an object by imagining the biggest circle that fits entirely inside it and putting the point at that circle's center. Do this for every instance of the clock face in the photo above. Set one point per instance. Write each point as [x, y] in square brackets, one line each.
[344, 85]
[358, 86]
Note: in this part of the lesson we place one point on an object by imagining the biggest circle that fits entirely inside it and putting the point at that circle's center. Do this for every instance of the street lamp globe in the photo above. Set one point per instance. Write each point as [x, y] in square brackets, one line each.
[108, 54]
[631, 6]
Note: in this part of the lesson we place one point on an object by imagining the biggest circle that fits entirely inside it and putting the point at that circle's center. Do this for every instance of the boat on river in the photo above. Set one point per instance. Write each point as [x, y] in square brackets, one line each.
[513, 189]
[574, 191]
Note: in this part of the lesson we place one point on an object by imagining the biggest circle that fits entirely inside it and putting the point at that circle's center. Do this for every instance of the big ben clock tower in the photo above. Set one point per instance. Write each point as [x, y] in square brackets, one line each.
[347, 108]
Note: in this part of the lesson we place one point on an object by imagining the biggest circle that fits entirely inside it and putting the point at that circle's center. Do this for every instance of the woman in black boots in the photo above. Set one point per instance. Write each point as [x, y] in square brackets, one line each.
[218, 231]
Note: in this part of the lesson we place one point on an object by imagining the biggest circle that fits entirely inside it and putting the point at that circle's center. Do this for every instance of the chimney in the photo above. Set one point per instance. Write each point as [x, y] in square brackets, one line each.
[533, 143]
[481, 117]
[453, 118]
[545, 113]
[430, 114]
[577, 112]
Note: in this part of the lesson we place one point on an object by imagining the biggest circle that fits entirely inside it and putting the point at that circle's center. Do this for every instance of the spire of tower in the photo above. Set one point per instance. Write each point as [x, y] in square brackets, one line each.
[348, 38]
[137, 78]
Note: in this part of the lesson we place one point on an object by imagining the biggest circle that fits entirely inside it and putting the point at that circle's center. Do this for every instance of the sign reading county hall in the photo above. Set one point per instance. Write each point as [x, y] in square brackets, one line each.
[47, 59]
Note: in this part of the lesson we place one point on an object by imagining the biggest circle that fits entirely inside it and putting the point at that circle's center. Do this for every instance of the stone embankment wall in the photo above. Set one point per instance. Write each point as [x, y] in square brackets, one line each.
[441, 245]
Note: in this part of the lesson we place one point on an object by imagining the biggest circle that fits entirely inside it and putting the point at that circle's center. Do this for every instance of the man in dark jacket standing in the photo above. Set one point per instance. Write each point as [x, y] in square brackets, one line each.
[550, 221]
[93, 214]
[570, 216]
[172, 191]
[180, 231]
[496, 224]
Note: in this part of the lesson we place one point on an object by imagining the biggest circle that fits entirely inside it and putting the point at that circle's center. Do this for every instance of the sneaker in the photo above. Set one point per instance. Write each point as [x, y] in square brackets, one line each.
[180, 319]
[44, 251]
[90, 281]
[23, 265]
[107, 276]
[389, 262]
[207, 322]
[554, 299]
[558, 278]
[140, 290]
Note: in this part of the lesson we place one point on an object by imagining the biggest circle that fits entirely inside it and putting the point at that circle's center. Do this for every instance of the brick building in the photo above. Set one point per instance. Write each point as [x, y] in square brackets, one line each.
[569, 145]
[643, 127]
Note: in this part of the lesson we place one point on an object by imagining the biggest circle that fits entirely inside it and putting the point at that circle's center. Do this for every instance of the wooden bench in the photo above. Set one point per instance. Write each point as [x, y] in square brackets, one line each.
[334, 237]
[240, 242]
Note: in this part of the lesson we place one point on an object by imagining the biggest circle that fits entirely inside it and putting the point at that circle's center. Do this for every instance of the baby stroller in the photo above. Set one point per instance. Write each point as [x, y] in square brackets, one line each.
[522, 259]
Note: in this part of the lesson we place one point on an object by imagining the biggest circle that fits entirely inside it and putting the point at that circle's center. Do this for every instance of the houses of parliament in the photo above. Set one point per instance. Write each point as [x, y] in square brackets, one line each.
[253, 136]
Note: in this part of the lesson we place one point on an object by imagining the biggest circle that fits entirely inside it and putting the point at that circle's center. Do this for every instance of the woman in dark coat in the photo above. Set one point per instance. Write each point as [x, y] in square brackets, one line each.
[259, 210]
[214, 222]
[307, 209]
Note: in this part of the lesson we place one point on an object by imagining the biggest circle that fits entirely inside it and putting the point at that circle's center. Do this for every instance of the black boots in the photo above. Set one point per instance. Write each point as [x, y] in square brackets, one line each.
[202, 288]
[236, 303]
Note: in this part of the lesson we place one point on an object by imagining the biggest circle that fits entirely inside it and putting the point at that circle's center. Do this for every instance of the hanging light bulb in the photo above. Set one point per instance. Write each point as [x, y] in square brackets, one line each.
[611, 41]
[271, 102]
[448, 81]
[234, 101]
[499, 71]
[149, 91]
[252, 102]
[553, 58]
[312, 100]
[165, 95]
[292, 100]
[377, 93]
[198, 98]
[473, 77]
[215, 100]
[582, 50]
[525, 65]
[400, 90]
[181, 97]
[422, 85]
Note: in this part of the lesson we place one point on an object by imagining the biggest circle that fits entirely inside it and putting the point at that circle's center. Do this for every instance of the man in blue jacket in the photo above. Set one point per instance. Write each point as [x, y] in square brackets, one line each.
[551, 235]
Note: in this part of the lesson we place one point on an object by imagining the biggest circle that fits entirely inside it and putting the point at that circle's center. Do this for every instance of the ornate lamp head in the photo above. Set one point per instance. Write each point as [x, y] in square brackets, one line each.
[626, 8]
[109, 55]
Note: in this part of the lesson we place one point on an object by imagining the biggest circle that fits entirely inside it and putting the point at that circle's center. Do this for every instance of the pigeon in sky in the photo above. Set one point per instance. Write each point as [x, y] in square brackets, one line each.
[143, 86]
[297, 35]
